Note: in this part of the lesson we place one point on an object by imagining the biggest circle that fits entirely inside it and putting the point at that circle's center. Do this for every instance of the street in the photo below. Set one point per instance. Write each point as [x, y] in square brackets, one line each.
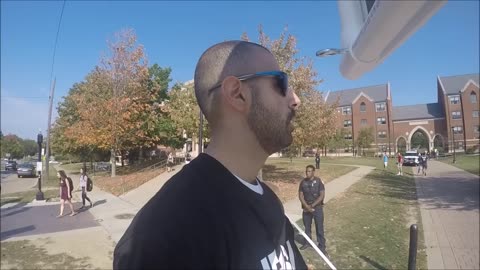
[11, 183]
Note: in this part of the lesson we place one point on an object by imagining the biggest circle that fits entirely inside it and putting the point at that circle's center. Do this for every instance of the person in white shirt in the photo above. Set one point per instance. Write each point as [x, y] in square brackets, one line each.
[83, 186]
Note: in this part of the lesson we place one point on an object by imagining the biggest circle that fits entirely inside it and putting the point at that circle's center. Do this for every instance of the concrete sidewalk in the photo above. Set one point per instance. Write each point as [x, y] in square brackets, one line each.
[333, 188]
[141, 195]
[449, 206]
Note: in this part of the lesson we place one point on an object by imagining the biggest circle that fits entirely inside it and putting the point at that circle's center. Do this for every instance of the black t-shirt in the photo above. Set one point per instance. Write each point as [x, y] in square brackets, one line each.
[204, 218]
[311, 189]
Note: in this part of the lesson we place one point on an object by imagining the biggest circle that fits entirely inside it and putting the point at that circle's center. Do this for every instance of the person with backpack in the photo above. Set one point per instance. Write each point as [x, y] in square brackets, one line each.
[66, 187]
[86, 185]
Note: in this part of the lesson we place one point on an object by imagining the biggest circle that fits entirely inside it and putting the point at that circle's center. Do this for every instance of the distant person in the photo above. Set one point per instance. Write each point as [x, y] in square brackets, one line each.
[399, 163]
[420, 163]
[214, 213]
[83, 186]
[385, 160]
[169, 162]
[65, 193]
[311, 194]
[317, 161]
[425, 166]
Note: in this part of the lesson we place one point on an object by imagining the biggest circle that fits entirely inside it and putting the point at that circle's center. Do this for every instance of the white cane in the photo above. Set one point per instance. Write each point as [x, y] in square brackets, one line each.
[329, 263]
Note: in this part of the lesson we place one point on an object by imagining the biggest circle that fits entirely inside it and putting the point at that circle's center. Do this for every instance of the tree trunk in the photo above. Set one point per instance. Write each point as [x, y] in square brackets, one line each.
[113, 162]
[140, 154]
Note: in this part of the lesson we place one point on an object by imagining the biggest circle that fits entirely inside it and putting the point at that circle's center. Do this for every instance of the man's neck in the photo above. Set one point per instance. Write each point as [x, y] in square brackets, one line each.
[241, 159]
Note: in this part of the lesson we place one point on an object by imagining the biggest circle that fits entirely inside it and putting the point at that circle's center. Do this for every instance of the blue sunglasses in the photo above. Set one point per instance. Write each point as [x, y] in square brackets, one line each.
[280, 76]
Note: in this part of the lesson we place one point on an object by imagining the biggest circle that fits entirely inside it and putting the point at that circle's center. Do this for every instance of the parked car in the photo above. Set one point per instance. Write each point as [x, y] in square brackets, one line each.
[411, 158]
[11, 165]
[26, 169]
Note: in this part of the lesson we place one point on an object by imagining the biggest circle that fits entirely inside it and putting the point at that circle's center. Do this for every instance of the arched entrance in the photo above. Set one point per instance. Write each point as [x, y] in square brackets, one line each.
[401, 144]
[419, 139]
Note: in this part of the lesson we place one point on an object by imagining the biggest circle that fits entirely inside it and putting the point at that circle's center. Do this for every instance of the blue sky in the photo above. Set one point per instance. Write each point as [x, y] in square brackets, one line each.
[176, 33]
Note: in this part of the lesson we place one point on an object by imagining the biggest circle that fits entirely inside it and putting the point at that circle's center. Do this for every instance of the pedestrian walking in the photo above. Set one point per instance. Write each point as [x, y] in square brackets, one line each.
[385, 160]
[399, 163]
[420, 164]
[84, 181]
[311, 194]
[169, 162]
[317, 161]
[65, 192]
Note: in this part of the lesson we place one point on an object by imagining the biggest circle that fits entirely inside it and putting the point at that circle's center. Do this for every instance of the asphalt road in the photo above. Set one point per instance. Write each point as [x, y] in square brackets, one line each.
[11, 183]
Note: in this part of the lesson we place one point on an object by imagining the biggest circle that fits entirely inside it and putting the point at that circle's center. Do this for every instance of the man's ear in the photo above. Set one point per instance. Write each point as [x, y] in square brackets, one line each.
[234, 94]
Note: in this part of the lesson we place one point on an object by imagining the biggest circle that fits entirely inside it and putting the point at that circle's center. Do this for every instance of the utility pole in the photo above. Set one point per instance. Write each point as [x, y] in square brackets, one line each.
[47, 151]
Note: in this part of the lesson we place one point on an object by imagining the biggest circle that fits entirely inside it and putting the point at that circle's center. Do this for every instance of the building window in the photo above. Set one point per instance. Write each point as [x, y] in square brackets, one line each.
[363, 107]
[457, 130]
[473, 97]
[454, 99]
[382, 134]
[363, 122]
[456, 115]
[347, 110]
[475, 113]
[347, 136]
[459, 145]
[381, 121]
[347, 123]
[380, 107]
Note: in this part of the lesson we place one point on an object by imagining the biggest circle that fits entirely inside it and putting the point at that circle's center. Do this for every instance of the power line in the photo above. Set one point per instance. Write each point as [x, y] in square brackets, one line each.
[56, 41]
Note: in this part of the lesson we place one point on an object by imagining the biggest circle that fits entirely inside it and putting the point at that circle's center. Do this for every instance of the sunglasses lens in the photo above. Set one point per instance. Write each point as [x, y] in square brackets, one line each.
[283, 83]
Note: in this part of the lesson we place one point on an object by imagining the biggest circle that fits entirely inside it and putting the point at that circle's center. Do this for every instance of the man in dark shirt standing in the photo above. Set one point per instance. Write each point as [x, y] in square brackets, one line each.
[317, 161]
[215, 213]
[312, 193]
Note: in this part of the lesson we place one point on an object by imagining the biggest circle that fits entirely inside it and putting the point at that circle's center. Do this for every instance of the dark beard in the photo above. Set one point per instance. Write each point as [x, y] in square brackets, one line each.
[271, 131]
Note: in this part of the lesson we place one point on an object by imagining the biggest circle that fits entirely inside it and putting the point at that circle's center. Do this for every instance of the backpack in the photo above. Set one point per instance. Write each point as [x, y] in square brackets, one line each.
[89, 184]
[70, 183]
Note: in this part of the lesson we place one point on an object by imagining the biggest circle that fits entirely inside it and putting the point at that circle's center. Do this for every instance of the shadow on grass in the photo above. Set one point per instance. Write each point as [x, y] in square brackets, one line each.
[278, 174]
[373, 263]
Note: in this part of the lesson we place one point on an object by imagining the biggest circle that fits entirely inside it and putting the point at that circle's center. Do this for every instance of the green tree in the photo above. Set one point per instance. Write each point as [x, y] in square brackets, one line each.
[12, 144]
[184, 110]
[365, 138]
[30, 147]
[337, 141]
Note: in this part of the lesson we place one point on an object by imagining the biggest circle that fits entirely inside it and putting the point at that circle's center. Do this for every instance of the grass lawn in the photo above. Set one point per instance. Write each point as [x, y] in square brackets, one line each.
[24, 255]
[284, 176]
[469, 163]
[28, 196]
[368, 227]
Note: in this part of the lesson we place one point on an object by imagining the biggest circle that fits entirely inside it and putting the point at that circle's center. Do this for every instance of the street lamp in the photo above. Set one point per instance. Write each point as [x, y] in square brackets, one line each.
[453, 144]
[39, 196]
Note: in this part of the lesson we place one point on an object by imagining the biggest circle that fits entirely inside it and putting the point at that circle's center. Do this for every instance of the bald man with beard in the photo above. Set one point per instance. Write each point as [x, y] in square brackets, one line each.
[215, 213]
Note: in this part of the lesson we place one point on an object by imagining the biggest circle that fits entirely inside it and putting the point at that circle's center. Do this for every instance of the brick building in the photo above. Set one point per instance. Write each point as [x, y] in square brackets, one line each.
[455, 116]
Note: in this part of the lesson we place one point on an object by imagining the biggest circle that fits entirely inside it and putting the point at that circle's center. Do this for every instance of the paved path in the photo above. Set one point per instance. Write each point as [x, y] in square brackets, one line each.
[449, 206]
[332, 189]
[35, 219]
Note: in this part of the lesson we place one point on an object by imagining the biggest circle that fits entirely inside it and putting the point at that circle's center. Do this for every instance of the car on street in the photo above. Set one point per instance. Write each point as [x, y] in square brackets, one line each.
[11, 165]
[26, 169]
[411, 158]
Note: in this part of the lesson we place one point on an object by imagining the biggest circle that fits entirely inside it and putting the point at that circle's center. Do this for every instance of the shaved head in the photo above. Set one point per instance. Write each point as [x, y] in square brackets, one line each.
[230, 58]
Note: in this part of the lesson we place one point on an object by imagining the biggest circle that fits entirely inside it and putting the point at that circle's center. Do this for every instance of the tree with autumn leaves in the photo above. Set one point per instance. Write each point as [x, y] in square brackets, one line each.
[315, 119]
[118, 106]
[123, 104]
